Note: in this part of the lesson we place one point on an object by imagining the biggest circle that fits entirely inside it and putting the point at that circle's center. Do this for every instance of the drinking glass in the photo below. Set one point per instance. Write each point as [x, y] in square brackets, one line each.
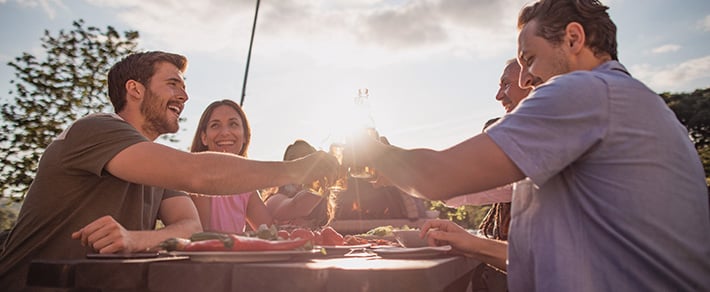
[341, 182]
[361, 170]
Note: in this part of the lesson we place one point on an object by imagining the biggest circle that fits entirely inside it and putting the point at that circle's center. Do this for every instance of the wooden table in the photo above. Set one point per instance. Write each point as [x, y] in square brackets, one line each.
[446, 273]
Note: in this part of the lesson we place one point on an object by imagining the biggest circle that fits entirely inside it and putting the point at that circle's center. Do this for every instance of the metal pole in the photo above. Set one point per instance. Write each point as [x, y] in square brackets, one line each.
[251, 42]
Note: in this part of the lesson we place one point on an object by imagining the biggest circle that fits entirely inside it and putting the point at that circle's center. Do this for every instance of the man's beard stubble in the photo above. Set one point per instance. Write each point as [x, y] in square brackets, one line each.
[155, 115]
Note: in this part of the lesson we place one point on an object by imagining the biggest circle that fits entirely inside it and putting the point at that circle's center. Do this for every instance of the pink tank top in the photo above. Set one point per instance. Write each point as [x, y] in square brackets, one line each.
[229, 213]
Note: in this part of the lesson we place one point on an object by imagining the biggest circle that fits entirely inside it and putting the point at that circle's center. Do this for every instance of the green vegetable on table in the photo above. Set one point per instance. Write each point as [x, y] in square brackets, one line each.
[385, 230]
[264, 238]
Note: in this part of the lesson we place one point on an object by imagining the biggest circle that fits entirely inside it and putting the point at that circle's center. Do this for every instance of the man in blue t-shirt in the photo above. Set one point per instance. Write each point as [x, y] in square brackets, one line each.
[622, 203]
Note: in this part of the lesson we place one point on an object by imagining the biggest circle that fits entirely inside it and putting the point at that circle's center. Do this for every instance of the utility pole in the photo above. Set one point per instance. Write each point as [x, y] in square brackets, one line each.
[251, 42]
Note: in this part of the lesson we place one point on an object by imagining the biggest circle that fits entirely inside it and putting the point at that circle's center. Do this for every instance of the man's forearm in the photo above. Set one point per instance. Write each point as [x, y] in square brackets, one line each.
[490, 251]
[474, 165]
[149, 239]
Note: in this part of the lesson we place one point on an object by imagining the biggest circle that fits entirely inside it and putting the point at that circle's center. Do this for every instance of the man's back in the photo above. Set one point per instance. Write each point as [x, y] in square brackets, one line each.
[622, 191]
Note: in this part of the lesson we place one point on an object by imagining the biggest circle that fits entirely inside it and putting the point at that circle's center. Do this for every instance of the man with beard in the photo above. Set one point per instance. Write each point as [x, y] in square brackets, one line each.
[102, 184]
[622, 203]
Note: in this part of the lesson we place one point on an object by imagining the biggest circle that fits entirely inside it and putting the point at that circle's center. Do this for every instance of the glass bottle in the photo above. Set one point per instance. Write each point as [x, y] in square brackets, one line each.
[367, 123]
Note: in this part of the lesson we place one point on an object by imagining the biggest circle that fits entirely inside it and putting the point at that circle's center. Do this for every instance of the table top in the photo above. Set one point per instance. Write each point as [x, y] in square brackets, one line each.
[373, 273]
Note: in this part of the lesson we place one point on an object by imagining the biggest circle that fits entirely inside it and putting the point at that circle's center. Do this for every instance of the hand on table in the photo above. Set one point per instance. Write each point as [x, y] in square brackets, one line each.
[490, 251]
[444, 232]
[105, 235]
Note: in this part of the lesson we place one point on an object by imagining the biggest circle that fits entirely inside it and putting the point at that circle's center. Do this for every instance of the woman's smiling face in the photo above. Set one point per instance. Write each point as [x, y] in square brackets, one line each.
[225, 131]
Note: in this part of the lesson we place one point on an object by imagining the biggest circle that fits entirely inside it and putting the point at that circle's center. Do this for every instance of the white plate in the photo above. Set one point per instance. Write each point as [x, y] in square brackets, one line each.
[342, 249]
[246, 256]
[409, 253]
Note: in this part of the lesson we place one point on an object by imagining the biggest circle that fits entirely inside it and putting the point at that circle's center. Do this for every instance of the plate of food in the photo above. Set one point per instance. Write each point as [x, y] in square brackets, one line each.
[376, 237]
[412, 253]
[247, 256]
[380, 232]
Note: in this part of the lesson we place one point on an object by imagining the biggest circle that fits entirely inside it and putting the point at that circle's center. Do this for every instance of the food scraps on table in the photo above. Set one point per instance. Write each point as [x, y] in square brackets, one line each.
[269, 238]
[384, 231]
[263, 239]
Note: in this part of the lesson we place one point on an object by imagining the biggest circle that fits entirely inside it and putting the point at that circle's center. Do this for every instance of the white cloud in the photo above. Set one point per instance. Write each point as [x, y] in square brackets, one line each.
[686, 76]
[666, 49]
[206, 26]
[49, 6]
[704, 23]
[328, 31]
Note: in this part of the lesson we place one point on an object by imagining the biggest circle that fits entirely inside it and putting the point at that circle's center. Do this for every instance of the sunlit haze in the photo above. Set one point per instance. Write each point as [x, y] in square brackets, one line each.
[432, 66]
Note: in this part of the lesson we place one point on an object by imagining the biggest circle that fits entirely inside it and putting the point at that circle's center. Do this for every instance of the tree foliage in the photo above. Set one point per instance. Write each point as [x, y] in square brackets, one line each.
[53, 90]
[693, 111]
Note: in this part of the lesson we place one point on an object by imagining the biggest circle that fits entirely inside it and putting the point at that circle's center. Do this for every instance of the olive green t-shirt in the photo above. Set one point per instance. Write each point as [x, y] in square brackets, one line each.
[72, 189]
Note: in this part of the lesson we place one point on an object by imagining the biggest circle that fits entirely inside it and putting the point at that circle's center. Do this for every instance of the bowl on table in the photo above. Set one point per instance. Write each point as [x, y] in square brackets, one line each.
[409, 238]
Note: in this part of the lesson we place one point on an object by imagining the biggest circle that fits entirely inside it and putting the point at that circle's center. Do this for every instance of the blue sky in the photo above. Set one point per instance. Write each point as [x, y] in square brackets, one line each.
[432, 66]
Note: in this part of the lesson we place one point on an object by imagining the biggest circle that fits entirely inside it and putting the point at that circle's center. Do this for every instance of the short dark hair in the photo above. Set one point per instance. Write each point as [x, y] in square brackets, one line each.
[139, 67]
[197, 145]
[553, 16]
[299, 148]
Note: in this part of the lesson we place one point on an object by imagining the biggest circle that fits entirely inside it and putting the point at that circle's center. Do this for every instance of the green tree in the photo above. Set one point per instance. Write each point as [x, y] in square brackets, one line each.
[67, 83]
[705, 158]
[469, 217]
[693, 111]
